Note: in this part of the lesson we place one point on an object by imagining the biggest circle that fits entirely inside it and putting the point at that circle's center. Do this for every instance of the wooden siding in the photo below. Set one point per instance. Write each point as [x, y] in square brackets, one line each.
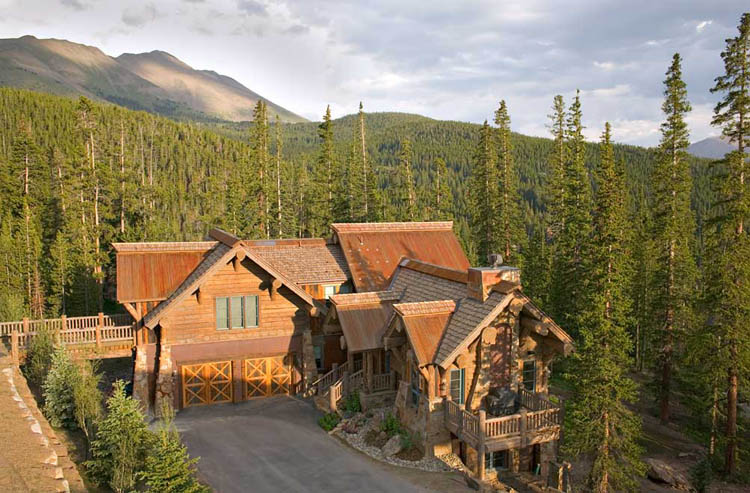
[193, 322]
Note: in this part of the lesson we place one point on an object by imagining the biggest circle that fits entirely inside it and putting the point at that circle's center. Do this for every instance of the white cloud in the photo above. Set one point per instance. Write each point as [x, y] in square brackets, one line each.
[702, 25]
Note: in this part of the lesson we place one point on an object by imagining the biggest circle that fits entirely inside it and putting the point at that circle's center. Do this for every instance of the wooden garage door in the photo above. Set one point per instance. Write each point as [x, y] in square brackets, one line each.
[207, 383]
[265, 377]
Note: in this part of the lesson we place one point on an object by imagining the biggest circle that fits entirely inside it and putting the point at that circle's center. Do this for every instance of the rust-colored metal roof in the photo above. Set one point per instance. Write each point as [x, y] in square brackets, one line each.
[363, 318]
[374, 250]
[425, 322]
[152, 271]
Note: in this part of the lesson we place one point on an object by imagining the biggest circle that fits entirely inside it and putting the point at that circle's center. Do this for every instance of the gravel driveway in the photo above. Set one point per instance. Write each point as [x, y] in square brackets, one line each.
[275, 444]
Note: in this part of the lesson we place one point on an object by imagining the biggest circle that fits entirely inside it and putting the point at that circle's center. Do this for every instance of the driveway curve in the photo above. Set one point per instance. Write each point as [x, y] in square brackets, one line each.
[275, 444]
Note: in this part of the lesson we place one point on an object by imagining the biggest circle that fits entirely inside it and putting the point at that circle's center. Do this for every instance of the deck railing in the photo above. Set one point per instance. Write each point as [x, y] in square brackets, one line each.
[325, 381]
[383, 382]
[65, 323]
[534, 402]
[468, 425]
[356, 380]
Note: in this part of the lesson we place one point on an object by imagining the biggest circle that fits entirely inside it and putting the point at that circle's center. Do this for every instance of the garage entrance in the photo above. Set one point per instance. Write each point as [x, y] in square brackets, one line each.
[207, 383]
[265, 377]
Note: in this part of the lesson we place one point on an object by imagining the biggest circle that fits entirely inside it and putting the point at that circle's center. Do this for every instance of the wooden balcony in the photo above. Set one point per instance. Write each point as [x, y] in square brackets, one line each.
[527, 427]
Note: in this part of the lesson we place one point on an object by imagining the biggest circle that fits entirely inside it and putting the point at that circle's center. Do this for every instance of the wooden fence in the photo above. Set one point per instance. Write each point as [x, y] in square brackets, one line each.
[66, 323]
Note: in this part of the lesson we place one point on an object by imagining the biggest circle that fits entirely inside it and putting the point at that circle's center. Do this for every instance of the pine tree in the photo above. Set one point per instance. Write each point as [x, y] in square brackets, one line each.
[729, 276]
[169, 468]
[122, 442]
[555, 189]
[323, 179]
[260, 160]
[599, 423]
[483, 198]
[536, 268]
[674, 227]
[442, 205]
[59, 405]
[362, 183]
[511, 229]
[404, 194]
[571, 245]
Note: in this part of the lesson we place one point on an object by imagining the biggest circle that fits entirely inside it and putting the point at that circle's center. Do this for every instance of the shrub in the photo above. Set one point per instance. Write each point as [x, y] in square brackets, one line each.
[392, 426]
[39, 356]
[87, 398]
[122, 442]
[169, 468]
[59, 404]
[701, 475]
[352, 403]
[329, 421]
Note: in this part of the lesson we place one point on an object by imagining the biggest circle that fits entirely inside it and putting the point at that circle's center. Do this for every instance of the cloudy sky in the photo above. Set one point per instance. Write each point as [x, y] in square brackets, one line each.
[449, 60]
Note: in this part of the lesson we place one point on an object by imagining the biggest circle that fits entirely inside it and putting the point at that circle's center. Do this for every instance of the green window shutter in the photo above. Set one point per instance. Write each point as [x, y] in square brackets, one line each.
[251, 311]
[238, 321]
[222, 313]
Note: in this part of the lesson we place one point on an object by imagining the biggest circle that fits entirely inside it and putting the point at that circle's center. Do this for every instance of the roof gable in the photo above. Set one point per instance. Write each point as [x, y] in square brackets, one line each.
[424, 324]
[216, 259]
[364, 318]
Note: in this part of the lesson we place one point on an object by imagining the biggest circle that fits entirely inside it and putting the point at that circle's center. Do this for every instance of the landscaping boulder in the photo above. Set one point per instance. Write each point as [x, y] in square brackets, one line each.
[661, 472]
[392, 446]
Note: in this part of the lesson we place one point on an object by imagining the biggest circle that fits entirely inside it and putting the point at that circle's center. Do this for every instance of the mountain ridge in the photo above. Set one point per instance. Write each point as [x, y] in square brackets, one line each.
[155, 81]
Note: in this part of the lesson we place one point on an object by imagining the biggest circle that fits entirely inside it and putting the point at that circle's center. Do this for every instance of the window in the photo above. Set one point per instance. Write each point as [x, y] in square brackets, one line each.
[457, 386]
[318, 356]
[345, 288]
[387, 362]
[415, 387]
[222, 313]
[237, 312]
[496, 460]
[330, 290]
[529, 375]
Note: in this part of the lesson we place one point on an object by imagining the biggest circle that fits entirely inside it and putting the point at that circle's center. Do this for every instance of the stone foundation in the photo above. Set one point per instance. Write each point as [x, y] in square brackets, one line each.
[377, 399]
[309, 368]
[165, 381]
[141, 377]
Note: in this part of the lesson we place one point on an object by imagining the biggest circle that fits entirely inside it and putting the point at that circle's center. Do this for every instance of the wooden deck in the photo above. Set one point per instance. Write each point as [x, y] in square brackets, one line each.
[96, 337]
[528, 427]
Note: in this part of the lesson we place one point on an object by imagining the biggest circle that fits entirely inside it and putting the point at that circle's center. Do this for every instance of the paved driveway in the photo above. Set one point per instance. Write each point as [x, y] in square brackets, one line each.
[276, 445]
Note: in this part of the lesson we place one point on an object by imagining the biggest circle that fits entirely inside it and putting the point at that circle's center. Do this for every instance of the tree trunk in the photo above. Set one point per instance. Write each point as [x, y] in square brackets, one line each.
[730, 461]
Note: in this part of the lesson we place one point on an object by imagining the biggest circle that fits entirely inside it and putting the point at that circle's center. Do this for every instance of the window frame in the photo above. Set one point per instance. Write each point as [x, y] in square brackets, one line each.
[489, 460]
[243, 308]
[415, 386]
[462, 384]
[524, 372]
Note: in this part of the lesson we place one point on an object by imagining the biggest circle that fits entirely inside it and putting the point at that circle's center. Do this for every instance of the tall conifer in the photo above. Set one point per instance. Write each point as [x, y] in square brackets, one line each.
[674, 226]
[323, 179]
[511, 228]
[729, 275]
[483, 196]
[405, 195]
[599, 423]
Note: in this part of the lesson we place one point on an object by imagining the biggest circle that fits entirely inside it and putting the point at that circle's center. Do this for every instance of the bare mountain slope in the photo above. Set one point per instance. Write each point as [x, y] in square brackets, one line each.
[155, 82]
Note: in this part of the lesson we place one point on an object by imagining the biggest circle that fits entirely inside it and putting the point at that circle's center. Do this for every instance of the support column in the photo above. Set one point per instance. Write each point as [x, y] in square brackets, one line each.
[481, 447]
[140, 378]
[164, 381]
[309, 368]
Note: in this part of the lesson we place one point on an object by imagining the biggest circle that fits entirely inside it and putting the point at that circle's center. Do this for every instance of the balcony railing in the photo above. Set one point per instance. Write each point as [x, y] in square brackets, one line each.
[523, 426]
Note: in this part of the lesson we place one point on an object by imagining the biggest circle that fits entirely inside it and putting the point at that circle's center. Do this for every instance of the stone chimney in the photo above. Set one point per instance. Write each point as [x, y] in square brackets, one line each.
[481, 280]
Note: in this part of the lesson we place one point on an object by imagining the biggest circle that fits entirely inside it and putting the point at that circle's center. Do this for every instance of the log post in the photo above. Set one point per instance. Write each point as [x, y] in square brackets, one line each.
[331, 399]
[446, 406]
[522, 428]
[14, 347]
[393, 380]
[25, 323]
[481, 447]
[345, 384]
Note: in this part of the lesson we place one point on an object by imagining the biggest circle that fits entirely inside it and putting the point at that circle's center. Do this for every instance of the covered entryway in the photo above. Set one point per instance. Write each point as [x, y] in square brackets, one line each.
[265, 377]
[207, 383]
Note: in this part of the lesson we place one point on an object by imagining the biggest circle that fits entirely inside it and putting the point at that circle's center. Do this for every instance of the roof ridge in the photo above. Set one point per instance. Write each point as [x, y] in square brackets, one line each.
[425, 307]
[364, 298]
[435, 270]
[390, 226]
[155, 246]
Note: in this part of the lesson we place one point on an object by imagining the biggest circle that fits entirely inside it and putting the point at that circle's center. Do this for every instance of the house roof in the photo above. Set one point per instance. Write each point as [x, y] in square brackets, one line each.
[363, 318]
[306, 261]
[226, 249]
[152, 271]
[424, 323]
[420, 283]
[374, 250]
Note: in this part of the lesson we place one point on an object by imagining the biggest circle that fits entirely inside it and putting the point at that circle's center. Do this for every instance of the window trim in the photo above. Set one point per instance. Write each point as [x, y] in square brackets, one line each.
[244, 298]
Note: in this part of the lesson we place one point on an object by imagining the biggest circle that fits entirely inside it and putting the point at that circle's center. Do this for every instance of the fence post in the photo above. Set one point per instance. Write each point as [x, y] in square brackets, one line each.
[99, 324]
[14, 347]
[523, 427]
[332, 398]
[481, 447]
[25, 325]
